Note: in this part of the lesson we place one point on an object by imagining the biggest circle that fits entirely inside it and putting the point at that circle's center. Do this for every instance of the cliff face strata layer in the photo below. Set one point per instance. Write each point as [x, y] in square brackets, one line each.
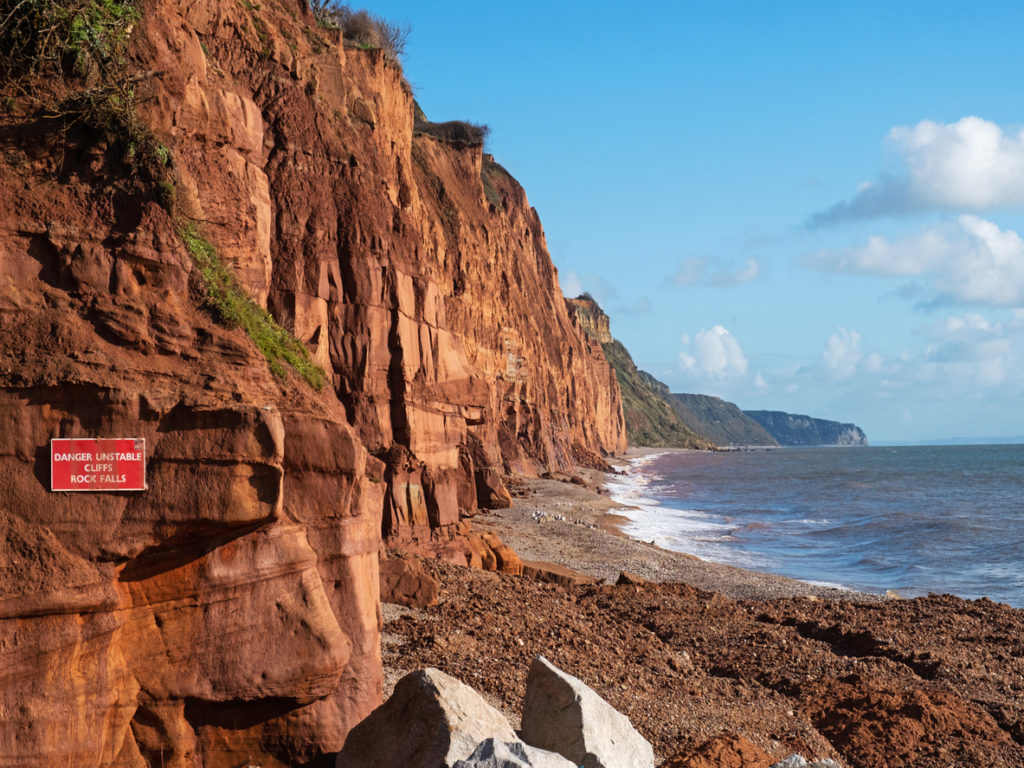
[230, 612]
[437, 312]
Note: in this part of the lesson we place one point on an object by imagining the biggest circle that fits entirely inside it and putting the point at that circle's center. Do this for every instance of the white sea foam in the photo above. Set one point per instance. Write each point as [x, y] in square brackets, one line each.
[691, 531]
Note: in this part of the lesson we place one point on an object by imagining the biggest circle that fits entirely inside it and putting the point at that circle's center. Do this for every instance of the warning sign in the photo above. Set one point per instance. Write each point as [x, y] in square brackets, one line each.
[93, 464]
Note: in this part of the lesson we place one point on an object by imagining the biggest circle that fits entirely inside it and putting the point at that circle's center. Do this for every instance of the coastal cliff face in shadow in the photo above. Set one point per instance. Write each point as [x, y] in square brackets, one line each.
[230, 612]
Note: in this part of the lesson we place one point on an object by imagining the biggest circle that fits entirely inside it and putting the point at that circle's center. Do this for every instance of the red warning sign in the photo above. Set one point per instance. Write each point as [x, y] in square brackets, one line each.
[93, 464]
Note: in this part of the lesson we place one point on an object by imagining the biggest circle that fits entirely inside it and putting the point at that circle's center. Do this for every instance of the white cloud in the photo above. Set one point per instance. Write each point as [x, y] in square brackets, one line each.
[572, 286]
[713, 354]
[971, 261]
[970, 164]
[971, 348]
[873, 362]
[842, 354]
[759, 381]
[698, 271]
[967, 164]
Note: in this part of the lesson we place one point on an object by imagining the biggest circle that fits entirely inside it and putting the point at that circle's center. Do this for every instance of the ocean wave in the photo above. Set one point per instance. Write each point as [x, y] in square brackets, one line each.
[680, 529]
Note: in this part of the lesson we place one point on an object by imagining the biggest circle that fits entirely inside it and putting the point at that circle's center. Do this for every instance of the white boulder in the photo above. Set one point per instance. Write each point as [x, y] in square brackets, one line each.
[562, 714]
[431, 720]
[500, 754]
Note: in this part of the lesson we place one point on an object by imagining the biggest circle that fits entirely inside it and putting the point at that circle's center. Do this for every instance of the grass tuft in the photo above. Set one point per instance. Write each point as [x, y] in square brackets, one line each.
[235, 308]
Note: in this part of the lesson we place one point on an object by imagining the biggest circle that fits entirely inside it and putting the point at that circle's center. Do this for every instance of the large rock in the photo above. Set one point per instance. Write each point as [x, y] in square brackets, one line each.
[493, 753]
[563, 714]
[431, 720]
[404, 581]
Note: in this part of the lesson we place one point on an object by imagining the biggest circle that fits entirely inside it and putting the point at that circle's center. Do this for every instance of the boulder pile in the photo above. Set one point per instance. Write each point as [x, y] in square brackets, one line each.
[433, 720]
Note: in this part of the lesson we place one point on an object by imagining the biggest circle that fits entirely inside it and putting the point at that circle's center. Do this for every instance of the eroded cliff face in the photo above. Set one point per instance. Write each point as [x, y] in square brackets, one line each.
[230, 612]
[437, 312]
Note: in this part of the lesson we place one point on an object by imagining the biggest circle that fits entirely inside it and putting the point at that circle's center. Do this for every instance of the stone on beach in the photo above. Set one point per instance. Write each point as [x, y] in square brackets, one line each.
[493, 753]
[562, 714]
[431, 720]
[554, 573]
[491, 492]
[796, 761]
[626, 578]
[404, 581]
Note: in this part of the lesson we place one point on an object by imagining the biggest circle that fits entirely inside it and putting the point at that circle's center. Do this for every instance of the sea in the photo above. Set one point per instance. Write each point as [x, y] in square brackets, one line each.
[913, 519]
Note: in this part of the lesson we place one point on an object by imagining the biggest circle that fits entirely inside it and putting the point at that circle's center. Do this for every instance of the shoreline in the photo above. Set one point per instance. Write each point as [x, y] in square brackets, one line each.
[618, 522]
[581, 527]
[631, 497]
[718, 665]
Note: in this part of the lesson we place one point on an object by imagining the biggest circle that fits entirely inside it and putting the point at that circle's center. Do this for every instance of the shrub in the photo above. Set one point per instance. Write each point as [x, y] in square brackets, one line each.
[49, 37]
[362, 28]
[69, 60]
[456, 132]
[490, 172]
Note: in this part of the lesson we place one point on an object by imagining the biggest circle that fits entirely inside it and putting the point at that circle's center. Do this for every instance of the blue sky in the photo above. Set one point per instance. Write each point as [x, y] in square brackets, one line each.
[810, 207]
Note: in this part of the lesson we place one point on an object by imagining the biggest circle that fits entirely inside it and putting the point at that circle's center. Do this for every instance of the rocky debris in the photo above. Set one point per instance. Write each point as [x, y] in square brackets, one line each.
[500, 754]
[921, 683]
[554, 573]
[430, 720]
[563, 714]
[796, 761]
[627, 579]
[462, 546]
[729, 750]
[404, 581]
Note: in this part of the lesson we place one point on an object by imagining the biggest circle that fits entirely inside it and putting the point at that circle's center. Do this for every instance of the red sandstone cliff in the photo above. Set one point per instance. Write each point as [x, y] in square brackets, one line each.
[230, 612]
